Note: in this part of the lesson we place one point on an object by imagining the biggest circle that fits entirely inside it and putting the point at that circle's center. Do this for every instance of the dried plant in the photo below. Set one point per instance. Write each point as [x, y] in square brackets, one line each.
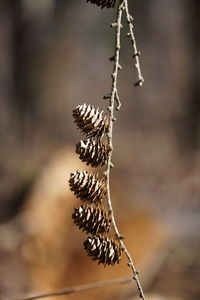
[96, 151]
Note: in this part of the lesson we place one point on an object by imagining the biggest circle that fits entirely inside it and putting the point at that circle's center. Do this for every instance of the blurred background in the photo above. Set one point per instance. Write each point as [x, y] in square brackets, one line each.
[53, 56]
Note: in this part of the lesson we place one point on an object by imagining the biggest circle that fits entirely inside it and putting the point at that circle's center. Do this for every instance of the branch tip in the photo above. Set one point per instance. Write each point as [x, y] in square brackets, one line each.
[112, 58]
[136, 54]
[113, 25]
[119, 67]
[139, 83]
[111, 165]
[108, 96]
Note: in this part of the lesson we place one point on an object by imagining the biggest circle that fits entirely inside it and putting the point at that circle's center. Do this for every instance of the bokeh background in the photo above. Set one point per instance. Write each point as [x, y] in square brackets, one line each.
[53, 56]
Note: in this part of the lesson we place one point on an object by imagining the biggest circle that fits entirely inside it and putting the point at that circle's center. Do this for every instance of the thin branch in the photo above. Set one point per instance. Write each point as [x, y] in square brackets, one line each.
[111, 108]
[114, 96]
[78, 288]
[136, 53]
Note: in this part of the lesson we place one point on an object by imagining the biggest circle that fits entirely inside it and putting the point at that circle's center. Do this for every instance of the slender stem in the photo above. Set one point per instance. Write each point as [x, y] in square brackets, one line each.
[114, 96]
[136, 53]
[78, 288]
[111, 108]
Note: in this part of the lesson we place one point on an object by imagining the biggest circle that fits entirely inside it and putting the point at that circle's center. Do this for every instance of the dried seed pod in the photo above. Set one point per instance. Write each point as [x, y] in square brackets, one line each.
[91, 121]
[91, 219]
[93, 152]
[87, 187]
[103, 3]
[106, 251]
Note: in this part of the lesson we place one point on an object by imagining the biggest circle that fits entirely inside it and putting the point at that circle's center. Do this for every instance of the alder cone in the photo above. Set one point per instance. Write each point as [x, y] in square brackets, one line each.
[104, 3]
[91, 219]
[87, 187]
[91, 121]
[93, 152]
[106, 251]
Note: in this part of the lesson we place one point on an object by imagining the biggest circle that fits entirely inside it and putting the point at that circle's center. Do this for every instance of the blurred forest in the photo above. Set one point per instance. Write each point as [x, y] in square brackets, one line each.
[53, 56]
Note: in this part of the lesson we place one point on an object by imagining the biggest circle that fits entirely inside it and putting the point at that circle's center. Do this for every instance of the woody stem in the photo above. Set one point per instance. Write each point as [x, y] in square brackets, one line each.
[114, 97]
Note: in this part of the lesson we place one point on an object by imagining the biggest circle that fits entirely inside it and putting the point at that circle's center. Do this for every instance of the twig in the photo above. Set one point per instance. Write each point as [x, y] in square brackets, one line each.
[113, 96]
[136, 53]
[112, 99]
[78, 288]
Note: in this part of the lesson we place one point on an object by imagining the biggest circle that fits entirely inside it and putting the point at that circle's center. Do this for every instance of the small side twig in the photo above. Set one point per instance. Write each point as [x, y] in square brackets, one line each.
[117, 100]
[136, 53]
[78, 288]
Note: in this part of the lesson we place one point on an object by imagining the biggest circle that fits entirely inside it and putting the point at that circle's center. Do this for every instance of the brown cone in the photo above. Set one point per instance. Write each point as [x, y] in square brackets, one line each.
[106, 251]
[93, 152]
[91, 219]
[87, 187]
[91, 121]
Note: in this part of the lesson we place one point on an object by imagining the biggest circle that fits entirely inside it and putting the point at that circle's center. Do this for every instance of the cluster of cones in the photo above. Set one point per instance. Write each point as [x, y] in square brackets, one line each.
[92, 217]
